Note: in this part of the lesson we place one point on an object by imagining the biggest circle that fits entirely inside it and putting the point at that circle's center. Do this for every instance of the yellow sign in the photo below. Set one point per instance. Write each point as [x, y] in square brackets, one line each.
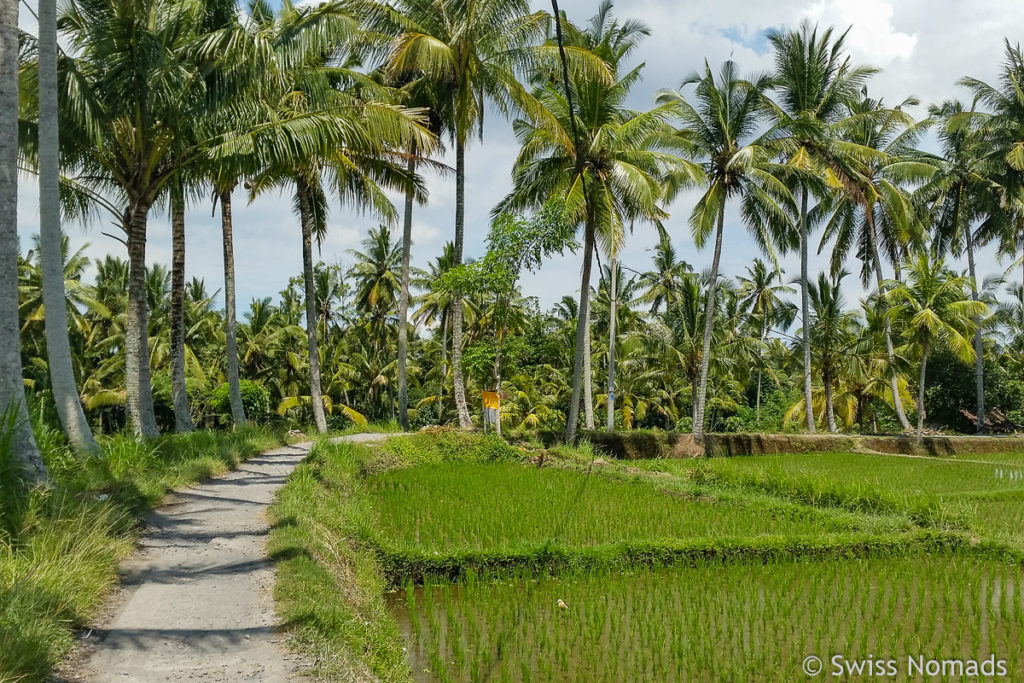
[491, 399]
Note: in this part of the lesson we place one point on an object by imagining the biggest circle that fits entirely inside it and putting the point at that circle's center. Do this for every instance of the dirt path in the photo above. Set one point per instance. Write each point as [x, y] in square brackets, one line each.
[196, 600]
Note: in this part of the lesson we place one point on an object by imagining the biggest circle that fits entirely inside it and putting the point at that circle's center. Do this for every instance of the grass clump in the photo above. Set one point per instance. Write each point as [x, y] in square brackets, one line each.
[60, 544]
[329, 586]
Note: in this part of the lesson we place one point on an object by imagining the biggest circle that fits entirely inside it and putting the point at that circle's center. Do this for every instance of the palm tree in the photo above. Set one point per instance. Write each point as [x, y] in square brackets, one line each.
[358, 164]
[472, 51]
[722, 130]
[662, 283]
[875, 213]
[936, 312]
[58, 347]
[963, 193]
[17, 427]
[833, 334]
[611, 175]
[760, 293]
[813, 82]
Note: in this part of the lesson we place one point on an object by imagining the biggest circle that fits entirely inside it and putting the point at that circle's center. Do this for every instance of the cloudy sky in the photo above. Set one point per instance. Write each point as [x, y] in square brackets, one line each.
[922, 47]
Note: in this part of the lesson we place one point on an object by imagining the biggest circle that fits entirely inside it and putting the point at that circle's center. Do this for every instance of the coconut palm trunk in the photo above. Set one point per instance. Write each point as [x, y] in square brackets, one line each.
[979, 367]
[138, 387]
[58, 347]
[582, 332]
[182, 413]
[920, 389]
[306, 220]
[613, 300]
[709, 322]
[805, 310]
[588, 378]
[12, 389]
[883, 304]
[830, 412]
[230, 312]
[403, 307]
[459, 383]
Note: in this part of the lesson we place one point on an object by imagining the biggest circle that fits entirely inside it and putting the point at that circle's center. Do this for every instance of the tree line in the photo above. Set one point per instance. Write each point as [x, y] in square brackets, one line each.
[156, 104]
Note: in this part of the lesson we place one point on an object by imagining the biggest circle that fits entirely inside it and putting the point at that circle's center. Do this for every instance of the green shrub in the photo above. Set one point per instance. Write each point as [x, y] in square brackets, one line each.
[255, 401]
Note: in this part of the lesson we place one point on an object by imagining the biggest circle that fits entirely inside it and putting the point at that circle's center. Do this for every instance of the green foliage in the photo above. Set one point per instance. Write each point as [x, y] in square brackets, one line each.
[255, 400]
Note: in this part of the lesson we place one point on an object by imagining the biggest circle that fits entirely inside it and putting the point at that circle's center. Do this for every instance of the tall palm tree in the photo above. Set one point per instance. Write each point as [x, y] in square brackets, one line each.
[961, 200]
[12, 390]
[722, 132]
[472, 50]
[936, 312]
[874, 213]
[58, 347]
[358, 164]
[613, 174]
[814, 79]
[179, 392]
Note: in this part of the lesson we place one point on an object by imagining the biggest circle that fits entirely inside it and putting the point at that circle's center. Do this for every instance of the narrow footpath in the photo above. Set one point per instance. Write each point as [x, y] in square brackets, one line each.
[196, 597]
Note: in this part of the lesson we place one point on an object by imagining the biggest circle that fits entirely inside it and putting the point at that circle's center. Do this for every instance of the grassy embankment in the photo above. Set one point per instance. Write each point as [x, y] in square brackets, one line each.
[60, 545]
[498, 541]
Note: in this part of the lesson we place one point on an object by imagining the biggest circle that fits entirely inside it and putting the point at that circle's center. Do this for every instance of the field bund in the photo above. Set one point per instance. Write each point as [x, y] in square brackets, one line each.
[656, 444]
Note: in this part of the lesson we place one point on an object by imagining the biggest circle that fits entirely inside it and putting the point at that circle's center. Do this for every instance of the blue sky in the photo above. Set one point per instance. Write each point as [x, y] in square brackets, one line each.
[922, 47]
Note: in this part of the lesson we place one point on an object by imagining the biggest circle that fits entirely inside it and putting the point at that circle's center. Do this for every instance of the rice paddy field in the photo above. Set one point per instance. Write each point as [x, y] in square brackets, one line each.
[492, 565]
[505, 506]
[712, 623]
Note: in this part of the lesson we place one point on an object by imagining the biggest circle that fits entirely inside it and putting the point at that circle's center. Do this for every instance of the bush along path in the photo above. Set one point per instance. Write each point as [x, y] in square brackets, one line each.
[196, 601]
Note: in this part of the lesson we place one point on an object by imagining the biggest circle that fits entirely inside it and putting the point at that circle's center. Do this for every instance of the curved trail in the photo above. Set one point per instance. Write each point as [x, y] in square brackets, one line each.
[196, 598]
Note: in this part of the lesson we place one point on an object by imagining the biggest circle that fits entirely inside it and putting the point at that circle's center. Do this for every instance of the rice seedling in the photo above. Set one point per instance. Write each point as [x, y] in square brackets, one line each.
[715, 622]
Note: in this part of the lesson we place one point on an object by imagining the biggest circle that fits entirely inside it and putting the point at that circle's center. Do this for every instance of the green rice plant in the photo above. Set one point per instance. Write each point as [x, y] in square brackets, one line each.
[503, 507]
[714, 621]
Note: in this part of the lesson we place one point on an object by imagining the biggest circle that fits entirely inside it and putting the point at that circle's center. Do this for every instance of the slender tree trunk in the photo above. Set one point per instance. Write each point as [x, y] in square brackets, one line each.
[613, 299]
[138, 387]
[179, 392]
[306, 219]
[920, 390]
[444, 365]
[582, 332]
[588, 379]
[403, 307]
[58, 347]
[760, 362]
[230, 310]
[830, 414]
[805, 310]
[460, 223]
[979, 367]
[12, 388]
[709, 322]
[883, 304]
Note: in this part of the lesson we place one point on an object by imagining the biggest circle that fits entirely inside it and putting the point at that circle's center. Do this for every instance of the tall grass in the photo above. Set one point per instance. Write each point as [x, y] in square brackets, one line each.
[60, 544]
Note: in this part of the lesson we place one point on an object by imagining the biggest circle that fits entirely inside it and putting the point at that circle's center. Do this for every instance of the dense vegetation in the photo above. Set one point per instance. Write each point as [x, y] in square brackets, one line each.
[353, 99]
